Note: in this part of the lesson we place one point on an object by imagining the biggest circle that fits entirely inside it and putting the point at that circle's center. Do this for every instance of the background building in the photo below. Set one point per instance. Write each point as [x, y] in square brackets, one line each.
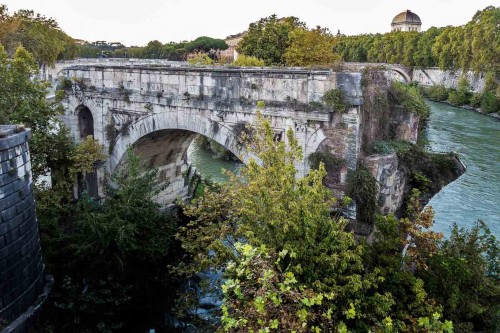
[406, 21]
[230, 54]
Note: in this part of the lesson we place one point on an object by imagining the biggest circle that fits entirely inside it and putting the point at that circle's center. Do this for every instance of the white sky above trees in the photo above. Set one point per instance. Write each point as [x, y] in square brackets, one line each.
[140, 21]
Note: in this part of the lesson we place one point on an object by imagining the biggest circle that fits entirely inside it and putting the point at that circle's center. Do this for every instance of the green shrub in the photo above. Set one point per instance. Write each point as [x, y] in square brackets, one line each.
[438, 93]
[362, 187]
[336, 99]
[463, 277]
[331, 162]
[382, 148]
[410, 98]
[420, 181]
[475, 100]
[249, 61]
[388, 147]
[65, 84]
[462, 95]
[490, 83]
[489, 103]
[458, 98]
[201, 59]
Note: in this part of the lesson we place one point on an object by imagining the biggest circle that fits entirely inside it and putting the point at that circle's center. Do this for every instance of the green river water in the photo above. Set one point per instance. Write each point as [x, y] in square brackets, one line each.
[475, 195]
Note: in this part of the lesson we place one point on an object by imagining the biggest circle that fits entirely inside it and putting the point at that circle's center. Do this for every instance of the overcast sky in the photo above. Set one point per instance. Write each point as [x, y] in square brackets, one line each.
[139, 21]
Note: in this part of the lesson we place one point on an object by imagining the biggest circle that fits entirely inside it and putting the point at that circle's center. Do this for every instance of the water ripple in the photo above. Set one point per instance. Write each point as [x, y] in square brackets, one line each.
[475, 195]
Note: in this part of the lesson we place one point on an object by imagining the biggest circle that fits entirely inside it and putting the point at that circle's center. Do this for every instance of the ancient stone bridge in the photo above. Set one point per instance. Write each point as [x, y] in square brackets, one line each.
[159, 108]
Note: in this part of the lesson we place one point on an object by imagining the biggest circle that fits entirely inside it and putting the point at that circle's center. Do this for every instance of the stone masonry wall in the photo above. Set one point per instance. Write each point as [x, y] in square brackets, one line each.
[435, 76]
[391, 181]
[22, 276]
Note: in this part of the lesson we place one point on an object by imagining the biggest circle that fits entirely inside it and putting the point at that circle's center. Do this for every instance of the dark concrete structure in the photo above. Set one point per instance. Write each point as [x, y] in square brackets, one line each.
[22, 274]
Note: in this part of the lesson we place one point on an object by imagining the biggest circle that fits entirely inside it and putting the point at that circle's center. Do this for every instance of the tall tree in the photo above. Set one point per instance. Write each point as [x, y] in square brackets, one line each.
[40, 35]
[268, 38]
[310, 48]
[23, 101]
[485, 36]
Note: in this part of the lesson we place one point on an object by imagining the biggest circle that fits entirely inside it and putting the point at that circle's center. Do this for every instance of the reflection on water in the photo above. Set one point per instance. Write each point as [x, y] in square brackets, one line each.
[476, 194]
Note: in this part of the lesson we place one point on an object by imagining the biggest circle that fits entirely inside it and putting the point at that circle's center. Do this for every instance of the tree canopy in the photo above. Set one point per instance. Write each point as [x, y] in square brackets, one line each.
[268, 38]
[310, 48]
[474, 46]
[290, 264]
[38, 34]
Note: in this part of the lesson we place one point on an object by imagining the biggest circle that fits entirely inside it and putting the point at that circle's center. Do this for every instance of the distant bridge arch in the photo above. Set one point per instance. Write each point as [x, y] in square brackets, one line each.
[398, 72]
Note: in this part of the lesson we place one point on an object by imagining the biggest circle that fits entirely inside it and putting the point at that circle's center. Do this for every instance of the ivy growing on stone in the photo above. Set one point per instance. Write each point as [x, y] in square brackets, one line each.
[336, 99]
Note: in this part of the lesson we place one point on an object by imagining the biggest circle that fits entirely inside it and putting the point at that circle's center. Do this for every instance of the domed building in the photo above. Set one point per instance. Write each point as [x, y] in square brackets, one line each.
[406, 21]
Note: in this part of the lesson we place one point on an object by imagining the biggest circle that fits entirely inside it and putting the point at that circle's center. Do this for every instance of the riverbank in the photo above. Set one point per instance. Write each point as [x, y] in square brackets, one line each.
[495, 115]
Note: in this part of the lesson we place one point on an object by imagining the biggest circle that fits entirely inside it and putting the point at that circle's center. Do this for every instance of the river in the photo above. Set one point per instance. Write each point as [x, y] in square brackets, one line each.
[475, 195]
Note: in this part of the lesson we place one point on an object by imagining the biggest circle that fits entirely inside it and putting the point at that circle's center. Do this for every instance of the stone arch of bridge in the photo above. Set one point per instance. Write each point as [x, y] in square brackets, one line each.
[403, 73]
[164, 138]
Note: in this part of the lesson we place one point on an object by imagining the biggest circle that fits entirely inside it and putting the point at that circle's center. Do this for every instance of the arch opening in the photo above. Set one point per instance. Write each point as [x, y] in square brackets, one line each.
[85, 122]
[88, 181]
[167, 152]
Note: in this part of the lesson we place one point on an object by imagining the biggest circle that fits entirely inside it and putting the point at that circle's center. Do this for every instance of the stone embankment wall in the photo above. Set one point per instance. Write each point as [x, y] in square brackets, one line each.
[22, 274]
[449, 79]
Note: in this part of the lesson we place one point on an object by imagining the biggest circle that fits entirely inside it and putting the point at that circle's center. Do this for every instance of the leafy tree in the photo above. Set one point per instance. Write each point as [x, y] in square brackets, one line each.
[40, 35]
[268, 39]
[23, 101]
[354, 48]
[310, 48]
[474, 46]
[290, 265]
[109, 255]
[260, 296]
[206, 44]
[485, 40]
[490, 103]
[423, 55]
[154, 50]
[463, 276]
[363, 188]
